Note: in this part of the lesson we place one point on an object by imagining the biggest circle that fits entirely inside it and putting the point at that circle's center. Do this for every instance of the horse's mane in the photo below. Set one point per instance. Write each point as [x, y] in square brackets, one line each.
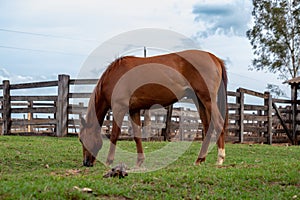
[117, 61]
[114, 65]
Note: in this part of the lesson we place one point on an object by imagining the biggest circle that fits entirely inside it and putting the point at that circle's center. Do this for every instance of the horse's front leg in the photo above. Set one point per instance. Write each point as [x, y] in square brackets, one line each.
[116, 130]
[136, 128]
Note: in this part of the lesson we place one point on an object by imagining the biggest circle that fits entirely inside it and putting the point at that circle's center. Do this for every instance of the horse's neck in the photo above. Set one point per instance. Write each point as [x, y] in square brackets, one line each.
[96, 111]
[91, 117]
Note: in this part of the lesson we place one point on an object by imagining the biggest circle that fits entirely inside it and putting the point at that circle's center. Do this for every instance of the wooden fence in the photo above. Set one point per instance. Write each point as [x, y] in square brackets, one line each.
[59, 113]
[19, 111]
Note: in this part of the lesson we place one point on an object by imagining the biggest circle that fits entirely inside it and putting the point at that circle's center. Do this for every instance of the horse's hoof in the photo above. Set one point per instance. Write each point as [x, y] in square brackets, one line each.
[140, 160]
[220, 162]
[199, 161]
[109, 163]
[87, 164]
[139, 163]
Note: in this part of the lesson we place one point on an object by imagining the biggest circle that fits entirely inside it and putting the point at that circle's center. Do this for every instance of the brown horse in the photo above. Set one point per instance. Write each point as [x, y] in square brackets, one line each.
[130, 84]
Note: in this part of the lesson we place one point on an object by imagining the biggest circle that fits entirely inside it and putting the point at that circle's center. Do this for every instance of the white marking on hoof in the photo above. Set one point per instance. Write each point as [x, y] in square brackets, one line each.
[221, 156]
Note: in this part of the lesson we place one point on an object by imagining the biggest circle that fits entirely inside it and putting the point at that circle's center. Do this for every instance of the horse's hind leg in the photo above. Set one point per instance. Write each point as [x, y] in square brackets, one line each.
[116, 130]
[136, 127]
[205, 122]
[221, 141]
[221, 149]
[214, 130]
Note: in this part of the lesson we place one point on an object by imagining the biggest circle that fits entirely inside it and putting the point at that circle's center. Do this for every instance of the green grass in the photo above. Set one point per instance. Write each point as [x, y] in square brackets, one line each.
[49, 168]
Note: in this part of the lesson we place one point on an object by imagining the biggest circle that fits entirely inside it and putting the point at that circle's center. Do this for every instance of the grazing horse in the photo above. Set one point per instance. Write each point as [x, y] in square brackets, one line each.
[130, 84]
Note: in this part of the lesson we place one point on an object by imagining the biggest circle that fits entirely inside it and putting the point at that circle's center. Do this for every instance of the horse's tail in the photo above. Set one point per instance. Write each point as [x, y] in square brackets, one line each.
[222, 92]
[222, 95]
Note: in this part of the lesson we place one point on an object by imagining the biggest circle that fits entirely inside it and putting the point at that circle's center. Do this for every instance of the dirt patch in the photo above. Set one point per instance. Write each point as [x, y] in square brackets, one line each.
[70, 172]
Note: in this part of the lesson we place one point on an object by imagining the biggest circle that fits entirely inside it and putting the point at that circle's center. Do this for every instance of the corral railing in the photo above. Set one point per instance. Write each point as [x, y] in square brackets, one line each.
[248, 120]
[55, 107]
[261, 121]
[23, 112]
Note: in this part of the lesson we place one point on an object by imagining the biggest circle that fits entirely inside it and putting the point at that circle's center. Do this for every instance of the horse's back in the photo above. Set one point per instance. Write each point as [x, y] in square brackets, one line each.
[175, 71]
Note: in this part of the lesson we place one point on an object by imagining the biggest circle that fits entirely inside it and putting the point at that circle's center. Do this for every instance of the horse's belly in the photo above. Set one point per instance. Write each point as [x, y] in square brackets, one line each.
[151, 95]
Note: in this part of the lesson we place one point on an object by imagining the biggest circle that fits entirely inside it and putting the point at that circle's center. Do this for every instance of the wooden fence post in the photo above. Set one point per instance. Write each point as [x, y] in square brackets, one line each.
[294, 94]
[181, 124]
[240, 99]
[146, 125]
[30, 117]
[166, 131]
[62, 105]
[268, 103]
[6, 108]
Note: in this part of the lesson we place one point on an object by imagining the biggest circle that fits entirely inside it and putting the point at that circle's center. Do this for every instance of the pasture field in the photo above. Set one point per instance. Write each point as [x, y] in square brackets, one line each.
[51, 168]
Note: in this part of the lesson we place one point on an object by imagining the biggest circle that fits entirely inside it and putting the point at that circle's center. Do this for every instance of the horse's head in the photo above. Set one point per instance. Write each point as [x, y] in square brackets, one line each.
[91, 141]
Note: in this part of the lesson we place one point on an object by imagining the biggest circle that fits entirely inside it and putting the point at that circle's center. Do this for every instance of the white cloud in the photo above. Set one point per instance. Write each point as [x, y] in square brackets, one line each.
[18, 78]
[229, 18]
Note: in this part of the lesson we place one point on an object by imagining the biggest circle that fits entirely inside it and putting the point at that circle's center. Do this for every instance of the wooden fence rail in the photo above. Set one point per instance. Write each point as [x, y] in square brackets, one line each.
[56, 106]
[59, 113]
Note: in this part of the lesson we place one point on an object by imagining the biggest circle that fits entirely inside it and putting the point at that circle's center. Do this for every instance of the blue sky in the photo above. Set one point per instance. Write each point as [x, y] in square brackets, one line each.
[41, 39]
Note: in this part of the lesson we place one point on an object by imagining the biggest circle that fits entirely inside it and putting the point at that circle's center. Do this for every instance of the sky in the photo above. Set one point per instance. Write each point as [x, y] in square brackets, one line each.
[41, 39]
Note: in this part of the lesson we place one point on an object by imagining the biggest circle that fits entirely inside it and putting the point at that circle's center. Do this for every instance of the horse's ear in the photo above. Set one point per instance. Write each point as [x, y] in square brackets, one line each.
[83, 122]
